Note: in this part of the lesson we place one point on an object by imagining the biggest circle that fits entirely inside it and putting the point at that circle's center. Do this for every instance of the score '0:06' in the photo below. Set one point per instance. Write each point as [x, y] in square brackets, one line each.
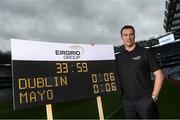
[109, 87]
[107, 77]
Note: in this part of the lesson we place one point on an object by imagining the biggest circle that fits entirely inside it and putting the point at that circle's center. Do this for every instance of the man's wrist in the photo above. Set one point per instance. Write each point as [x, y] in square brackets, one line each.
[155, 98]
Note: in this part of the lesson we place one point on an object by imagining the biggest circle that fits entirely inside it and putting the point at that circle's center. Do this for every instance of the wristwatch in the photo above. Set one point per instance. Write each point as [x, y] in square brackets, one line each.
[155, 98]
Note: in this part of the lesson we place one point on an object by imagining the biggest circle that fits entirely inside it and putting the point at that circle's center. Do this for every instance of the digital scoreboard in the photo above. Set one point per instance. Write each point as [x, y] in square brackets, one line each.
[46, 72]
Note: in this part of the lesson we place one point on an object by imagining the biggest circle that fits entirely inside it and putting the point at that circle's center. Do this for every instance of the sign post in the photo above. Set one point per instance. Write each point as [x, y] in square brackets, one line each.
[49, 112]
[100, 108]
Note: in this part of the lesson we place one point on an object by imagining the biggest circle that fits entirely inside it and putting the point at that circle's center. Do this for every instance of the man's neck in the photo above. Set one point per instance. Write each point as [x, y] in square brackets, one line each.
[130, 48]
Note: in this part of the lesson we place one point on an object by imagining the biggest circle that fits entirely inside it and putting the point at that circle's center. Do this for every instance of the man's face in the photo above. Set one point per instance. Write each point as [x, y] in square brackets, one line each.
[128, 37]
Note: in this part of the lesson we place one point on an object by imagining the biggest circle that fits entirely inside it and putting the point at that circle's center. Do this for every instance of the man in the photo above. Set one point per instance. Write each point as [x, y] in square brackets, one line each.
[135, 65]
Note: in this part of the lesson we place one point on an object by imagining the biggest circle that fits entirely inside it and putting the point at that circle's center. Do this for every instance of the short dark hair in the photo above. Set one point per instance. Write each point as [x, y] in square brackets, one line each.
[127, 27]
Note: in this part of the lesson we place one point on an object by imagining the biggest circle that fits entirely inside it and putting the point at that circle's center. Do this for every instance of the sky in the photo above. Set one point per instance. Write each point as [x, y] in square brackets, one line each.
[79, 21]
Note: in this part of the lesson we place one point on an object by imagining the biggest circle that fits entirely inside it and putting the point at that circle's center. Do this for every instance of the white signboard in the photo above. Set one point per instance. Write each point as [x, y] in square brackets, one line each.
[166, 39]
[50, 51]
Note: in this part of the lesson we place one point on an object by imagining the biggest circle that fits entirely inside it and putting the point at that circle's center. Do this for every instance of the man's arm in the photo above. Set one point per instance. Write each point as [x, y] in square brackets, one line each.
[159, 78]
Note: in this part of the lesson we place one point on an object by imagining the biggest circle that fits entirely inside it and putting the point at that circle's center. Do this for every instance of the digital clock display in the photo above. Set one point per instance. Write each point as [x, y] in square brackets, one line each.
[42, 81]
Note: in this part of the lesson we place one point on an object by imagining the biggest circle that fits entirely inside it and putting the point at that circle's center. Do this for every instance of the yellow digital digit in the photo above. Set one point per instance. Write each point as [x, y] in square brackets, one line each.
[96, 88]
[65, 67]
[78, 65]
[107, 87]
[58, 68]
[94, 78]
[113, 86]
[85, 67]
[111, 76]
[106, 77]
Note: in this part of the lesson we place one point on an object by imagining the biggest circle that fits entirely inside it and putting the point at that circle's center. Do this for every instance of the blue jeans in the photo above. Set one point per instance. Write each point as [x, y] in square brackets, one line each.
[144, 108]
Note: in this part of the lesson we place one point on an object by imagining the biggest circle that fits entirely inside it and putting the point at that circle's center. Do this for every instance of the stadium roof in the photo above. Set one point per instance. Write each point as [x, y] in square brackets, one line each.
[172, 17]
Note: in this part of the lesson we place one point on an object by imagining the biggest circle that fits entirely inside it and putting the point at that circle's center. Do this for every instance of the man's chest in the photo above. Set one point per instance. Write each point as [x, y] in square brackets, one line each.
[132, 61]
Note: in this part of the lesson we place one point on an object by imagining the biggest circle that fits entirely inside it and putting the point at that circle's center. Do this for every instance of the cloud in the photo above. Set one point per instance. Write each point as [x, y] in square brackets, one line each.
[78, 21]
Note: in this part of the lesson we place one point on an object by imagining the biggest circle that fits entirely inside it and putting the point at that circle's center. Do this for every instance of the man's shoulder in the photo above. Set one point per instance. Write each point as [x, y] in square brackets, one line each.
[120, 53]
[117, 54]
[140, 47]
[143, 50]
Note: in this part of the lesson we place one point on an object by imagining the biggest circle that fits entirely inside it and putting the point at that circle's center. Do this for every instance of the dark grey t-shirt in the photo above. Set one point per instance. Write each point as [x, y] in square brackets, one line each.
[134, 69]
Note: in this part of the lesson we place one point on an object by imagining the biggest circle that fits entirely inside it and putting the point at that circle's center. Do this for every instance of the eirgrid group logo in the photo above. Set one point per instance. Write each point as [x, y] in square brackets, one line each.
[73, 52]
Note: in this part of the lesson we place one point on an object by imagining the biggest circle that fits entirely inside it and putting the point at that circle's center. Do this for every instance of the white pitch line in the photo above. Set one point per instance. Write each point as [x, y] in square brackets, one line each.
[114, 111]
